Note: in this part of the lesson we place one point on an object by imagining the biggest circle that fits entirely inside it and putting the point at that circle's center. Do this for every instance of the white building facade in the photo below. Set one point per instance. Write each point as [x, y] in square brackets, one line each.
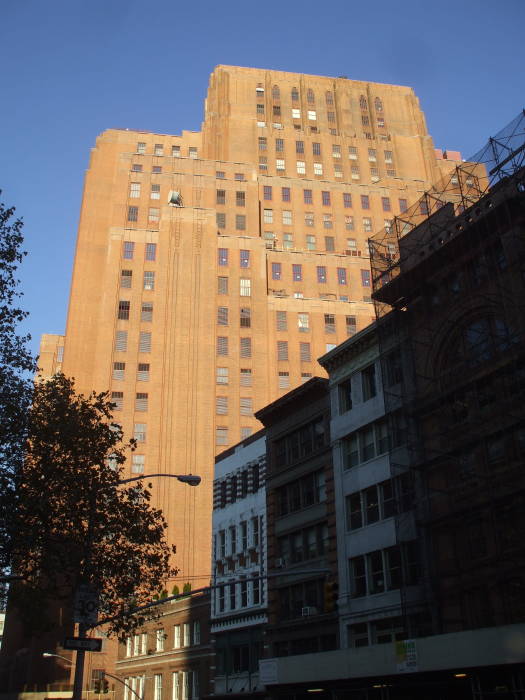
[239, 591]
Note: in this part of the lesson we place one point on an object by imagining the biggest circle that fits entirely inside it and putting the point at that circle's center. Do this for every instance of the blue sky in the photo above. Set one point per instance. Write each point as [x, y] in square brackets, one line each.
[72, 68]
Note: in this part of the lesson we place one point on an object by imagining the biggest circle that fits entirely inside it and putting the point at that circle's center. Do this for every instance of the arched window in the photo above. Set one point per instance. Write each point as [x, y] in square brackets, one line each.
[310, 97]
[378, 104]
[363, 103]
[295, 94]
[329, 98]
[276, 93]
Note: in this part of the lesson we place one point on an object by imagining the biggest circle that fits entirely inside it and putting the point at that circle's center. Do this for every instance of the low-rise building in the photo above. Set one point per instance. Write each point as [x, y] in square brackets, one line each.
[170, 656]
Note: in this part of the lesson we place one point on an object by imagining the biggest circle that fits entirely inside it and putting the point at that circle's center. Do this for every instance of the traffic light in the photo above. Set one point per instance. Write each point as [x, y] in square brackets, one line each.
[105, 686]
[97, 684]
[330, 595]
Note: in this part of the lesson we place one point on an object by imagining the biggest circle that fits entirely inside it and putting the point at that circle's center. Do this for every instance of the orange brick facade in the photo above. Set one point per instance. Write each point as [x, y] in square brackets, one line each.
[195, 316]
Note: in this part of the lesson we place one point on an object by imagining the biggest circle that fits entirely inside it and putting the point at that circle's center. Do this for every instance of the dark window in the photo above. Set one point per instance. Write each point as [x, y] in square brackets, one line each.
[325, 196]
[133, 213]
[123, 310]
[365, 201]
[368, 377]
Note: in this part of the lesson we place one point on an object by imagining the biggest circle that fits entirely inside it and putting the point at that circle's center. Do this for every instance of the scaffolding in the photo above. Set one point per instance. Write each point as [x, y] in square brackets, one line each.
[449, 293]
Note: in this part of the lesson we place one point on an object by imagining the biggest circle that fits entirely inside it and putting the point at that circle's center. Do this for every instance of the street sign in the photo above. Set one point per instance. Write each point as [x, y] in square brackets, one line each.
[85, 605]
[82, 643]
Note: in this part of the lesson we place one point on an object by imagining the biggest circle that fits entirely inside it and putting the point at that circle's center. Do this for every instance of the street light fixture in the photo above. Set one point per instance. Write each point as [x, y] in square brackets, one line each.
[191, 480]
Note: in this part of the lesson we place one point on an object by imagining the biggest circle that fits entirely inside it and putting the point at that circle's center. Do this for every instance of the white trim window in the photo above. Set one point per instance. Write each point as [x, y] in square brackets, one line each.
[157, 686]
[176, 636]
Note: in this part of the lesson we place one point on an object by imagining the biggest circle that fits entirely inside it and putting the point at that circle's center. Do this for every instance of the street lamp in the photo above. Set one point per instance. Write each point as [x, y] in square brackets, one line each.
[191, 480]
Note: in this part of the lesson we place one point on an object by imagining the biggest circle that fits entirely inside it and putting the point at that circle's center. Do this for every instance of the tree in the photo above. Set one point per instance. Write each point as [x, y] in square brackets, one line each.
[16, 368]
[75, 524]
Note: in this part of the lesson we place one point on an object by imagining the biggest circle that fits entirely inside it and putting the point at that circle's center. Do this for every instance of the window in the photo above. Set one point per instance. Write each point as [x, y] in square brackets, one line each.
[192, 152]
[301, 167]
[305, 352]
[137, 467]
[143, 372]
[155, 192]
[123, 310]
[136, 168]
[175, 151]
[307, 197]
[285, 194]
[221, 405]
[153, 214]
[240, 222]
[349, 225]
[246, 347]
[287, 218]
[220, 197]
[221, 376]
[347, 200]
[159, 640]
[287, 241]
[368, 382]
[139, 432]
[222, 345]
[316, 149]
[133, 213]
[245, 378]
[365, 278]
[327, 220]
[367, 224]
[281, 322]
[121, 341]
[118, 370]
[336, 151]
[388, 156]
[279, 164]
[341, 275]
[262, 139]
[125, 278]
[141, 147]
[385, 202]
[325, 198]
[151, 251]
[196, 632]
[245, 317]
[267, 193]
[403, 205]
[284, 380]
[220, 220]
[141, 402]
[318, 168]
[351, 325]
[239, 177]
[303, 322]
[246, 406]
[329, 323]
[329, 244]
[282, 350]
[221, 435]
[310, 242]
[268, 216]
[176, 637]
[117, 399]
[299, 146]
[220, 175]
[222, 285]
[222, 256]
[245, 287]
[321, 274]
[127, 250]
[149, 280]
[296, 114]
[276, 271]
[365, 201]
[240, 199]
[312, 115]
[222, 316]
[297, 272]
[156, 169]
[134, 190]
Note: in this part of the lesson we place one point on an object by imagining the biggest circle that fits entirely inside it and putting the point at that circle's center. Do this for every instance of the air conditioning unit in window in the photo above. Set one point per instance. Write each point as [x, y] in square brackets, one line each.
[175, 199]
[309, 610]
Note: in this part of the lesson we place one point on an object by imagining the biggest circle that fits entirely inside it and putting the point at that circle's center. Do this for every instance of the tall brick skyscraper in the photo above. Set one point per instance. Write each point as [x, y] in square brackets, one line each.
[213, 268]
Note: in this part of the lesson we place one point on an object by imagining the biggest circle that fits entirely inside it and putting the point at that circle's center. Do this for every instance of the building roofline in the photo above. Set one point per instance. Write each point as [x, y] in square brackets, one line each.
[242, 443]
[312, 384]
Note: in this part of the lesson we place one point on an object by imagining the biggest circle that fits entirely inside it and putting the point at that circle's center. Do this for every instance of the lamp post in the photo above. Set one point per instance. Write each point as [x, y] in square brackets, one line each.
[47, 654]
[191, 480]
